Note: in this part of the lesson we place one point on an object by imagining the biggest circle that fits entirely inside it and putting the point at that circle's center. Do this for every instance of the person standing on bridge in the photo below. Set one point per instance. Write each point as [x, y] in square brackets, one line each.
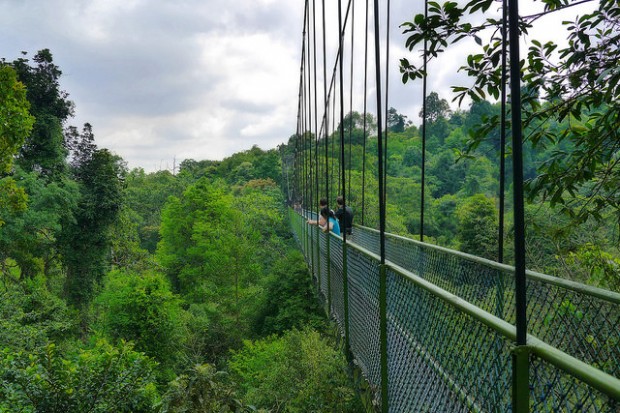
[331, 221]
[344, 215]
[321, 221]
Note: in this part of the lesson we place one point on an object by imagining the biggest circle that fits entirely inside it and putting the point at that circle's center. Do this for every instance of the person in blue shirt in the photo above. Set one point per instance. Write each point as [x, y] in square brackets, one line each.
[332, 223]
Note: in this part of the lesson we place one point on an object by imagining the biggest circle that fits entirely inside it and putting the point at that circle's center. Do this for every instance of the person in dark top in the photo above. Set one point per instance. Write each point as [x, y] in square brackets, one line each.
[344, 215]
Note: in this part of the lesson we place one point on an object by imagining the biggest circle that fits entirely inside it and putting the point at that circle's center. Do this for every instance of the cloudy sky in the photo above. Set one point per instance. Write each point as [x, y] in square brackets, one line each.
[161, 80]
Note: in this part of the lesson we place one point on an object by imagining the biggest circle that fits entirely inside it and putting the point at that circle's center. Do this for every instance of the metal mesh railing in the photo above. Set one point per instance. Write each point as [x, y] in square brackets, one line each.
[580, 320]
[445, 354]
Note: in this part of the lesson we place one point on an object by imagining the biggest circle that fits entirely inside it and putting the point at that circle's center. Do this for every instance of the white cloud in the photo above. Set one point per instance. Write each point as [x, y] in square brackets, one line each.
[160, 79]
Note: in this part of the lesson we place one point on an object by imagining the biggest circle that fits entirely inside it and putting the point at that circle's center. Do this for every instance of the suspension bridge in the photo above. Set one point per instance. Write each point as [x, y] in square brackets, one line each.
[433, 329]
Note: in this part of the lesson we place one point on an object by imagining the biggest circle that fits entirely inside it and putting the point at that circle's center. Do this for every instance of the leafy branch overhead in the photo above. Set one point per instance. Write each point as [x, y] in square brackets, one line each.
[569, 93]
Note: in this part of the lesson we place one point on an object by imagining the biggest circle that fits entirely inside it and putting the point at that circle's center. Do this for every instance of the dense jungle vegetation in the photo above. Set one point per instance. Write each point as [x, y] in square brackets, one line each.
[127, 291]
[461, 190]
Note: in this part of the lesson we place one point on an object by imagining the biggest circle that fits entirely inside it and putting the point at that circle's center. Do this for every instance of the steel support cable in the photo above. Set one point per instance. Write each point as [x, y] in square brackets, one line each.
[310, 114]
[517, 155]
[387, 88]
[379, 133]
[297, 161]
[383, 275]
[521, 354]
[341, 91]
[302, 136]
[351, 93]
[364, 120]
[502, 134]
[325, 100]
[316, 127]
[423, 161]
[343, 231]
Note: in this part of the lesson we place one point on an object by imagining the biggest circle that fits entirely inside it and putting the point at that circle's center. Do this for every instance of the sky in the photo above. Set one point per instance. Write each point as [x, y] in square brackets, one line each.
[162, 81]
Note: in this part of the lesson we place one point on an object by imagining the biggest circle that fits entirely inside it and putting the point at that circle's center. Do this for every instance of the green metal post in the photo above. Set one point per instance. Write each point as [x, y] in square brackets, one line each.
[383, 336]
[521, 379]
[318, 256]
[345, 292]
[329, 277]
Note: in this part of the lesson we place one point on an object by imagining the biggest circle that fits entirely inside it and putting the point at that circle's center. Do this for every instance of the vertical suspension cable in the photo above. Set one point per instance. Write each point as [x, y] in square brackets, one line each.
[502, 139]
[326, 105]
[316, 127]
[364, 120]
[517, 155]
[341, 31]
[423, 169]
[302, 141]
[310, 114]
[381, 162]
[337, 172]
[387, 88]
[352, 3]
[383, 274]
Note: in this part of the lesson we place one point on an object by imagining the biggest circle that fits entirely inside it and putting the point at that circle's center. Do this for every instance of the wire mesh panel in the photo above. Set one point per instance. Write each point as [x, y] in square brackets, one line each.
[439, 358]
[336, 282]
[485, 286]
[443, 356]
[554, 391]
[364, 321]
[575, 321]
[325, 265]
[579, 324]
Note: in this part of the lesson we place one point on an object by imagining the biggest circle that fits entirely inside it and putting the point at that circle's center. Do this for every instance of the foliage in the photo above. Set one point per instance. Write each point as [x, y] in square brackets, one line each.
[31, 316]
[15, 125]
[477, 228]
[85, 239]
[15, 119]
[576, 86]
[142, 309]
[203, 389]
[197, 233]
[44, 150]
[289, 300]
[30, 237]
[590, 263]
[101, 379]
[146, 195]
[298, 372]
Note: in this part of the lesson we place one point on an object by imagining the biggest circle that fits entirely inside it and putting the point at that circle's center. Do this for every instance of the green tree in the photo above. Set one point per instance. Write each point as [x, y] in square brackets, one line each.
[203, 389]
[30, 237]
[576, 86]
[477, 227]
[289, 300]
[299, 372]
[142, 309]
[85, 241]
[436, 108]
[396, 121]
[44, 150]
[145, 197]
[103, 379]
[15, 125]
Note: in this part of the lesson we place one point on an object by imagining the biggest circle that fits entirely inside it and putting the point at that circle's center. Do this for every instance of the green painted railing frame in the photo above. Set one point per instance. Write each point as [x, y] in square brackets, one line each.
[601, 381]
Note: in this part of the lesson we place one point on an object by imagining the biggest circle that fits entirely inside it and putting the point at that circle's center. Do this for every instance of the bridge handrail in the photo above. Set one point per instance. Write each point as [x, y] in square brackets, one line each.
[553, 366]
[603, 294]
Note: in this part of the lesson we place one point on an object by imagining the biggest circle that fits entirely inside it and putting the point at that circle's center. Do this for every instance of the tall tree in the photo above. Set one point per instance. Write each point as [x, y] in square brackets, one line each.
[44, 150]
[576, 86]
[85, 239]
[15, 125]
